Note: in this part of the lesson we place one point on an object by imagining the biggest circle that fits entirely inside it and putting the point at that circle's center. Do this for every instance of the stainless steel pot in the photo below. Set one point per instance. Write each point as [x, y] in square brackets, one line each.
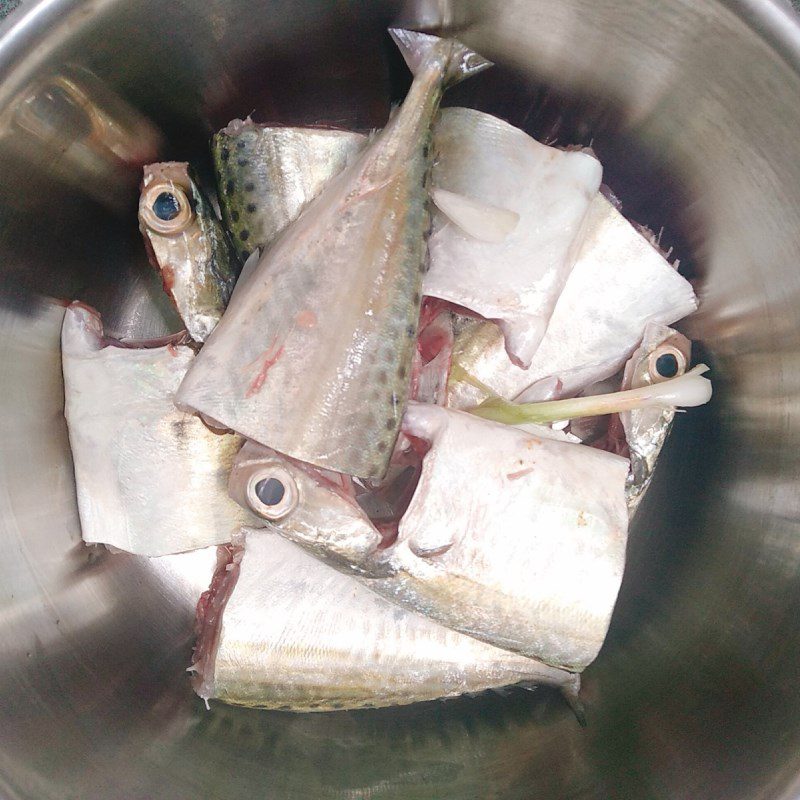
[694, 106]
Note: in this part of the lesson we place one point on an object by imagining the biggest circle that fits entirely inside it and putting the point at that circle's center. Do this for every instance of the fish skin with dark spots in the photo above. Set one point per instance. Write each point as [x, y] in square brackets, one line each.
[286, 168]
[359, 274]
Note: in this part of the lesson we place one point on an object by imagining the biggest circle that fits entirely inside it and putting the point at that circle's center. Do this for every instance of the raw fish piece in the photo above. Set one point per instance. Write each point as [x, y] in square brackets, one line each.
[278, 629]
[431, 364]
[515, 539]
[313, 356]
[618, 285]
[663, 354]
[151, 480]
[267, 174]
[517, 280]
[188, 245]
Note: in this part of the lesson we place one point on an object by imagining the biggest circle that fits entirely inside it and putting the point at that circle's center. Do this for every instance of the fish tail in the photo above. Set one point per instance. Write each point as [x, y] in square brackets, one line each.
[415, 47]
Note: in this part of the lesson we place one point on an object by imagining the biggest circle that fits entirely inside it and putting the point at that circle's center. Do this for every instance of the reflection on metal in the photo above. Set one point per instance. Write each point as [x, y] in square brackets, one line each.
[74, 128]
[428, 14]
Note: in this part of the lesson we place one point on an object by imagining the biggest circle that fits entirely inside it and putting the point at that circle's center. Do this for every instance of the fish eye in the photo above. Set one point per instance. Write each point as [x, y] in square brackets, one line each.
[666, 362]
[272, 492]
[667, 365]
[165, 208]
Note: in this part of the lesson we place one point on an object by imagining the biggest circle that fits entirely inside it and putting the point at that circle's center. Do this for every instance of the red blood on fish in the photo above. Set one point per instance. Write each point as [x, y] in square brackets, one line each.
[614, 440]
[513, 476]
[168, 278]
[270, 359]
[430, 309]
[208, 615]
[419, 446]
[432, 340]
[306, 319]
[430, 365]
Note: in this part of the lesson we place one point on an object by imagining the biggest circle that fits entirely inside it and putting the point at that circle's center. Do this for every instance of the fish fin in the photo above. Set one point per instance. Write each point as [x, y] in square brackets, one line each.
[249, 266]
[477, 219]
[416, 46]
[429, 549]
[540, 391]
[571, 693]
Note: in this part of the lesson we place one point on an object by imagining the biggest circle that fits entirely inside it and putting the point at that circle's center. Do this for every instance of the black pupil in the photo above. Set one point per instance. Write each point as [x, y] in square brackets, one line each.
[166, 206]
[667, 365]
[270, 491]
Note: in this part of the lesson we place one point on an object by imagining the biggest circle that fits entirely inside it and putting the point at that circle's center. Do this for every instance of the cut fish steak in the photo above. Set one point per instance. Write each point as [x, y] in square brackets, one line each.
[279, 629]
[517, 280]
[512, 538]
[151, 479]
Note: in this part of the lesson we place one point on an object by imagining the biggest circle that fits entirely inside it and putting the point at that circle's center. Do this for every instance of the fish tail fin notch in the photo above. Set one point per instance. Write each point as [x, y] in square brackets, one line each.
[416, 46]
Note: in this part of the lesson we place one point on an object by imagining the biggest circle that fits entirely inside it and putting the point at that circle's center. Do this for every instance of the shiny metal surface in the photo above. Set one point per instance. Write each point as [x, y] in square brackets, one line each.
[694, 108]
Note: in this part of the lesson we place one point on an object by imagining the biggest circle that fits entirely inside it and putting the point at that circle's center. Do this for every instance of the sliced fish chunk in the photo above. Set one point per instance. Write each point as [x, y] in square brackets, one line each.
[517, 280]
[619, 284]
[514, 539]
[151, 480]
[279, 629]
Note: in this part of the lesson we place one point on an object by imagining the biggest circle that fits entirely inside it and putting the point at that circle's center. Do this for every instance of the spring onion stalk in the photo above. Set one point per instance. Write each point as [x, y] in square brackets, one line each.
[458, 373]
[686, 390]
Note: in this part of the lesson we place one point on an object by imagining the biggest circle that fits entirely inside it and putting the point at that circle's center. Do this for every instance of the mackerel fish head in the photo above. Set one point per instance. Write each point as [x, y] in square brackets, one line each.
[188, 245]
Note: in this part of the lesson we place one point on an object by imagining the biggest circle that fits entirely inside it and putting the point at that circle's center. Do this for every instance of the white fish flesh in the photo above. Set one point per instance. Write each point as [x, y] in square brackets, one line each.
[151, 480]
[517, 280]
[313, 355]
[618, 285]
[511, 538]
[278, 629]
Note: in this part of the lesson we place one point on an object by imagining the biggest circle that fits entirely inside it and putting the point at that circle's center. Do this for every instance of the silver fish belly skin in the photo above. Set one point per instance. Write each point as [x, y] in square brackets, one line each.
[267, 174]
[151, 480]
[515, 281]
[515, 539]
[313, 355]
[192, 251]
[299, 635]
[618, 285]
